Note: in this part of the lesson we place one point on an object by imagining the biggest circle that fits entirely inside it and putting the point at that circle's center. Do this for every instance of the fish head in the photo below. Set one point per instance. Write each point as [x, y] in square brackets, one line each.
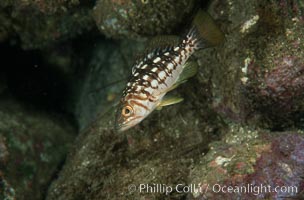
[129, 114]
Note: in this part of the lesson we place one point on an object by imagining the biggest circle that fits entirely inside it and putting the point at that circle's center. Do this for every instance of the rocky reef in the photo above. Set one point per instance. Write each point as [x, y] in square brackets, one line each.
[251, 164]
[239, 128]
[135, 19]
[262, 70]
[38, 24]
[32, 147]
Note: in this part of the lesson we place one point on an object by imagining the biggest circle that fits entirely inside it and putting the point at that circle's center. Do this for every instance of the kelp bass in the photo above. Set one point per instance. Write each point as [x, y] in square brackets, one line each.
[165, 66]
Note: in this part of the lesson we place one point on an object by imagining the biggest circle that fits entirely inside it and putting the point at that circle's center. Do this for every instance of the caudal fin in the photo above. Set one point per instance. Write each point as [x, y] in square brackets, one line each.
[204, 32]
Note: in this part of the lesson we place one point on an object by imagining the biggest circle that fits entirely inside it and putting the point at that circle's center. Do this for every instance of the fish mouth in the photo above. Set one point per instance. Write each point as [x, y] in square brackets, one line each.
[123, 128]
[120, 127]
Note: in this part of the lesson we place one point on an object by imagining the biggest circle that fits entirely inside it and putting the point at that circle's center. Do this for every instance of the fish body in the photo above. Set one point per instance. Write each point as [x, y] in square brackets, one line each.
[157, 73]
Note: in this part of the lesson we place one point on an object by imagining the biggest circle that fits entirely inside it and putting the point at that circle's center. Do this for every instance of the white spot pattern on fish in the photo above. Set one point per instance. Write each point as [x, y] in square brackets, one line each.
[156, 75]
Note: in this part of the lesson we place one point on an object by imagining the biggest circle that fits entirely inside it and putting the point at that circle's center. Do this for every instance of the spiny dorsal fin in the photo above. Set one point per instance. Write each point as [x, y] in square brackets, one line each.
[162, 41]
[206, 30]
[156, 45]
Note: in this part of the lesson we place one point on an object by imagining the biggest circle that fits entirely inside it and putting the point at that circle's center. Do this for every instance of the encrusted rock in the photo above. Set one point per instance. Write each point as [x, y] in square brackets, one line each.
[32, 146]
[133, 19]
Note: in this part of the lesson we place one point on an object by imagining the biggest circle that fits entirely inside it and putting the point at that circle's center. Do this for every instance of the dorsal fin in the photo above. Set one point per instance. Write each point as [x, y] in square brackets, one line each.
[158, 44]
[162, 41]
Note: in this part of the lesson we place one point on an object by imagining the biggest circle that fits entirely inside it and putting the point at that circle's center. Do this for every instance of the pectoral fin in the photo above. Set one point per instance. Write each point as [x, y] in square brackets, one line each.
[168, 100]
[190, 69]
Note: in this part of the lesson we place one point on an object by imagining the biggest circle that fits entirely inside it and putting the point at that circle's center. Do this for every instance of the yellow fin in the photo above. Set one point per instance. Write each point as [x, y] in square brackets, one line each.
[169, 100]
[189, 70]
[207, 30]
[171, 88]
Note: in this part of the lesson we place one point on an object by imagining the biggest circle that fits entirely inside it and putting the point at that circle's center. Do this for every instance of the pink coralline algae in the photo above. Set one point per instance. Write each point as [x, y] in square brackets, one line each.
[281, 169]
[276, 174]
[284, 83]
[278, 93]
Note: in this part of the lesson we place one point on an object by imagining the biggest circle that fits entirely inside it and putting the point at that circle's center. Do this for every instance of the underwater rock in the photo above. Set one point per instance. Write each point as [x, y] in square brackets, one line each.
[274, 75]
[245, 160]
[221, 67]
[6, 191]
[280, 89]
[134, 19]
[41, 23]
[3, 151]
[259, 65]
[32, 146]
[103, 163]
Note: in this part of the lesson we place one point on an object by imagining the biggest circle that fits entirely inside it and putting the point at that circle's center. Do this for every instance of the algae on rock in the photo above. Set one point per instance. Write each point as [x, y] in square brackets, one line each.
[140, 18]
[32, 146]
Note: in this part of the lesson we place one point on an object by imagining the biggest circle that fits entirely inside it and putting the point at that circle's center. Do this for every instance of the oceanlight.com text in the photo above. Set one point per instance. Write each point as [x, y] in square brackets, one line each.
[215, 188]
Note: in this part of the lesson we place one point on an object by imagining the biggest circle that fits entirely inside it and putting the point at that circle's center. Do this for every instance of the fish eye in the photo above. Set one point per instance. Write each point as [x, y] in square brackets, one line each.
[127, 111]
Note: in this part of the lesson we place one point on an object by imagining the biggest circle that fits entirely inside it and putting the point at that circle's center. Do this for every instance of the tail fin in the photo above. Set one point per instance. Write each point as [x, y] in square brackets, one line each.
[204, 32]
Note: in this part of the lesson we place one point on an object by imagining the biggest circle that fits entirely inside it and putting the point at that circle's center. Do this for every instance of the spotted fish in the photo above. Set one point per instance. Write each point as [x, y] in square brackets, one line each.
[162, 69]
